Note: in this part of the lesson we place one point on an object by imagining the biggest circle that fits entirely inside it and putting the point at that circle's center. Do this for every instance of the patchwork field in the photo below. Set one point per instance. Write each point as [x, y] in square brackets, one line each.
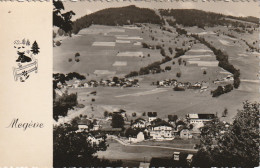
[107, 51]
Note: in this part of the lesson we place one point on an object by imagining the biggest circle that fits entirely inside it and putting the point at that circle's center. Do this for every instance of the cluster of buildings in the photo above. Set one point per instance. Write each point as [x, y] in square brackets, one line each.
[158, 129]
[120, 82]
[150, 127]
[184, 85]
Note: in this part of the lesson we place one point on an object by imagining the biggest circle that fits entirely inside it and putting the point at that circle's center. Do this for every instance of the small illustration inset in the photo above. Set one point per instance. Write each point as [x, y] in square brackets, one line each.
[26, 61]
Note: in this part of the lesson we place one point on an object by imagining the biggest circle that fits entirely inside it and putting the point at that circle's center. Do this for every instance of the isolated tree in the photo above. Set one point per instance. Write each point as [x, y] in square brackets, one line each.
[168, 68]
[225, 112]
[172, 118]
[77, 54]
[117, 121]
[231, 145]
[218, 91]
[115, 79]
[178, 74]
[35, 48]
[179, 61]
[170, 50]
[106, 114]
[163, 52]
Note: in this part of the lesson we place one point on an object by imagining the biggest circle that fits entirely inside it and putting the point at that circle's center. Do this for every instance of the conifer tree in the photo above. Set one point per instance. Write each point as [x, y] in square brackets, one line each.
[35, 48]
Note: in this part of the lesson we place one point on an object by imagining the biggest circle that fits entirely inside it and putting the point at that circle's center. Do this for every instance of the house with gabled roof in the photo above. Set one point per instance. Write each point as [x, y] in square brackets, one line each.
[162, 131]
[139, 123]
[84, 125]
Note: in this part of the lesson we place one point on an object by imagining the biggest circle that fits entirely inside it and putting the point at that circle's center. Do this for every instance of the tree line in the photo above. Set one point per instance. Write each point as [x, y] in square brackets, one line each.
[199, 18]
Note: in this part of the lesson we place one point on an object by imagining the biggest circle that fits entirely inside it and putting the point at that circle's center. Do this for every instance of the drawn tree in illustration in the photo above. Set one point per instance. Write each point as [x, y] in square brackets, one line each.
[35, 48]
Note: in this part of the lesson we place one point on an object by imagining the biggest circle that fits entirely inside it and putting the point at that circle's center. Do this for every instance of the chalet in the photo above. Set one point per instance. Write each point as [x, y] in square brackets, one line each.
[203, 88]
[196, 85]
[95, 139]
[199, 118]
[229, 78]
[152, 116]
[162, 131]
[161, 83]
[144, 165]
[76, 84]
[139, 123]
[137, 138]
[86, 85]
[185, 134]
[84, 125]
[96, 125]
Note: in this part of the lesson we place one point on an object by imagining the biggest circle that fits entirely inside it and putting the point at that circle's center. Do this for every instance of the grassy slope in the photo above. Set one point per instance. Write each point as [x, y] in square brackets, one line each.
[165, 103]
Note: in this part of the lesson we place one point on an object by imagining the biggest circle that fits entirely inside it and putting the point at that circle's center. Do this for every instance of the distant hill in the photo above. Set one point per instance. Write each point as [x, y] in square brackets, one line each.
[247, 19]
[194, 17]
[117, 16]
[132, 15]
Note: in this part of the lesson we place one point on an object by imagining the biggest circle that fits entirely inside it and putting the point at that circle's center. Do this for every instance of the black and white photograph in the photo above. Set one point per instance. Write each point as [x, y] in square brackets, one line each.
[155, 84]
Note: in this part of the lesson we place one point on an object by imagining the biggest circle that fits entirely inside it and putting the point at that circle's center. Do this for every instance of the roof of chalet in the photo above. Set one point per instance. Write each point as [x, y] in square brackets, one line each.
[152, 114]
[162, 123]
[84, 121]
[143, 164]
[201, 116]
[138, 120]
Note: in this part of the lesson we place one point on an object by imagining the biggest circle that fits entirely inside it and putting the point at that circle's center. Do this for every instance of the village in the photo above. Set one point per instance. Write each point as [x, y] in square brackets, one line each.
[147, 127]
[145, 131]
[115, 82]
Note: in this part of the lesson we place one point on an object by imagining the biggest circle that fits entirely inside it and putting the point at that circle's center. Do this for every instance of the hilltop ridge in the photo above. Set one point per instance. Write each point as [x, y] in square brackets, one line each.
[131, 15]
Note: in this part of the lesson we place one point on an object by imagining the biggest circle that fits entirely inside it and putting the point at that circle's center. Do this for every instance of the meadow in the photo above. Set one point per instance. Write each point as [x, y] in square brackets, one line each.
[104, 62]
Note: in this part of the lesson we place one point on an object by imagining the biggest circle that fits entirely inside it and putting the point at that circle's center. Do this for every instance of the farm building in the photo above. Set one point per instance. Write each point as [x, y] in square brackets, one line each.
[199, 118]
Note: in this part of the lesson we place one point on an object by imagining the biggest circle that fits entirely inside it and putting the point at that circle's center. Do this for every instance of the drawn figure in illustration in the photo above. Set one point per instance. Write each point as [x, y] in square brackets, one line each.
[26, 63]
[21, 51]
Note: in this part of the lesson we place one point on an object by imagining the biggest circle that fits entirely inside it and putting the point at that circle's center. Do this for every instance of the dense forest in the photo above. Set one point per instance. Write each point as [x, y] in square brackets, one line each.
[117, 16]
[193, 17]
[131, 15]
